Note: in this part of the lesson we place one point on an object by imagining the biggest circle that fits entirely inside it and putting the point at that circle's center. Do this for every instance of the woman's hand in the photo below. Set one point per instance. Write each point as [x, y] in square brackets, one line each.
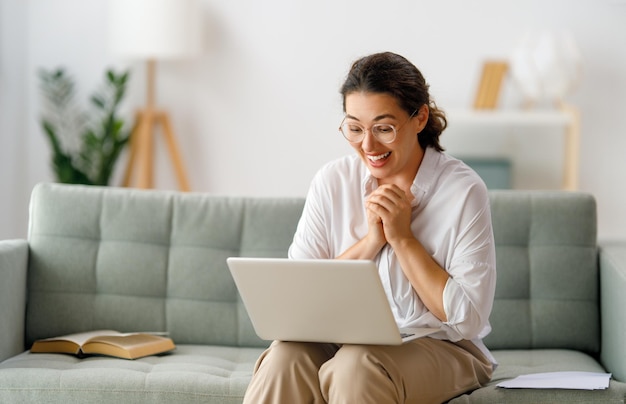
[391, 204]
[375, 232]
[370, 245]
[390, 208]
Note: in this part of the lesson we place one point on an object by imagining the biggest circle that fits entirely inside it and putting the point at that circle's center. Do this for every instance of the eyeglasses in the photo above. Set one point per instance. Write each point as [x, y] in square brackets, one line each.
[383, 132]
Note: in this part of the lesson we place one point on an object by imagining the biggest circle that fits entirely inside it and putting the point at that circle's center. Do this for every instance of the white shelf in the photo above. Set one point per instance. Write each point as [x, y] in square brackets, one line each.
[516, 118]
[566, 117]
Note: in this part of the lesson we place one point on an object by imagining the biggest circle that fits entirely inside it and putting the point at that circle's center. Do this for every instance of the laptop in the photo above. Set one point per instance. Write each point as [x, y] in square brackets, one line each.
[337, 301]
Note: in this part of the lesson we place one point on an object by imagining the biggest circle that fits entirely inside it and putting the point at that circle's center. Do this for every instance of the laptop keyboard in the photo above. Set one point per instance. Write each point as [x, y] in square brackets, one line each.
[405, 334]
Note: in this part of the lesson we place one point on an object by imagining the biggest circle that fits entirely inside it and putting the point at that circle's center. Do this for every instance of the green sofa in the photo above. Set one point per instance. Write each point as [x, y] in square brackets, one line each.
[135, 260]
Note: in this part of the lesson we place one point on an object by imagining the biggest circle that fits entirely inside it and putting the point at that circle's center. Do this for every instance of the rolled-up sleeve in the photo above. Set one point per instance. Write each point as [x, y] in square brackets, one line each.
[469, 292]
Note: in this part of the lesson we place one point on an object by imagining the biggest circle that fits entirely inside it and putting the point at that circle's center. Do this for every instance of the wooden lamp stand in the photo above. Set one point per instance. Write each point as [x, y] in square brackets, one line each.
[142, 141]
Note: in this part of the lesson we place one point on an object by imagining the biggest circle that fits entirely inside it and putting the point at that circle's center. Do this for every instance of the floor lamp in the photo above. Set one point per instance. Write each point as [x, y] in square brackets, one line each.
[153, 30]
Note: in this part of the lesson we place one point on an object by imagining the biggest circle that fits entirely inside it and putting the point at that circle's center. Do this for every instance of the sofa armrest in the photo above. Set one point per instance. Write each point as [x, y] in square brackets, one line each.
[13, 268]
[613, 308]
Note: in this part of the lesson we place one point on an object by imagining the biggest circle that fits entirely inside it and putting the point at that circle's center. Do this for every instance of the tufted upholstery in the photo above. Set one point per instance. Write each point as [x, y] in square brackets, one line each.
[194, 374]
[146, 260]
[547, 287]
[154, 260]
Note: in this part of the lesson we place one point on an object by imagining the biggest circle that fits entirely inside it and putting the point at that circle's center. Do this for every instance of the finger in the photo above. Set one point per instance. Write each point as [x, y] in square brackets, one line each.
[375, 208]
[381, 201]
[389, 199]
[392, 192]
[394, 188]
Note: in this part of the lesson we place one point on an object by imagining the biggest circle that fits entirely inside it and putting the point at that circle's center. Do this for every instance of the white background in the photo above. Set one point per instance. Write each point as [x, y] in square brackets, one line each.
[257, 113]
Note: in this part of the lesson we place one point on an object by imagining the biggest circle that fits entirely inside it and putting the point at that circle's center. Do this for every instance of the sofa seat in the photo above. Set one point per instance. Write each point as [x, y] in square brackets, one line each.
[131, 260]
[191, 374]
[216, 374]
[513, 363]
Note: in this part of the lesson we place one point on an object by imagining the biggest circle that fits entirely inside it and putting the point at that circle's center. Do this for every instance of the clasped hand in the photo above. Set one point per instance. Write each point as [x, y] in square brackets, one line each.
[389, 214]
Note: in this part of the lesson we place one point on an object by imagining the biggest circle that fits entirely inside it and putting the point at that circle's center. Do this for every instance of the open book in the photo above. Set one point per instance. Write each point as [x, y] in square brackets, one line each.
[106, 342]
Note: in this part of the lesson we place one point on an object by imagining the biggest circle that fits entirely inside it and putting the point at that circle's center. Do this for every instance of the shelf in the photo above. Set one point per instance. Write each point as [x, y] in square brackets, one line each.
[507, 117]
[566, 117]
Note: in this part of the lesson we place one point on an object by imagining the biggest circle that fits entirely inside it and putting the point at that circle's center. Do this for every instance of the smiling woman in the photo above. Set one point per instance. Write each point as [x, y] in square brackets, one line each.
[397, 159]
[424, 218]
[388, 73]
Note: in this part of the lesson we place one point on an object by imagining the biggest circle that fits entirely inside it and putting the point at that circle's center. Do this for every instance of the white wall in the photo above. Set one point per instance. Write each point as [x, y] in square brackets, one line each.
[13, 119]
[257, 114]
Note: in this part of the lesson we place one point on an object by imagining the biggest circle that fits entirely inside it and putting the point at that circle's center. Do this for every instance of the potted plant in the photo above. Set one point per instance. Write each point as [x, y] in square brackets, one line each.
[85, 145]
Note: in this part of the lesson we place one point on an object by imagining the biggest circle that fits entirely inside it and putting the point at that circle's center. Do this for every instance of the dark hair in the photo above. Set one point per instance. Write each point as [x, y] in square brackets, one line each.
[392, 74]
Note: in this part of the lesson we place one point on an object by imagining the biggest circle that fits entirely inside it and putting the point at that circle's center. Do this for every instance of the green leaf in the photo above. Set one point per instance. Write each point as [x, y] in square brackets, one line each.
[100, 134]
[98, 101]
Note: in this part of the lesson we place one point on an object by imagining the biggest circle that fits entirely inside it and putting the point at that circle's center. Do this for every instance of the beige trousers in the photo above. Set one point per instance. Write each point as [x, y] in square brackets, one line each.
[426, 370]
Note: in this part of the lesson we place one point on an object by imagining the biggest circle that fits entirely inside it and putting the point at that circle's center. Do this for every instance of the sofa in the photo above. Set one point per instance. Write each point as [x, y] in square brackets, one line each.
[146, 260]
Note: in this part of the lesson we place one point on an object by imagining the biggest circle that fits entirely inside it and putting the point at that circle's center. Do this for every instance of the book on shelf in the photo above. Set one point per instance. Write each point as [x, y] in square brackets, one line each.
[106, 342]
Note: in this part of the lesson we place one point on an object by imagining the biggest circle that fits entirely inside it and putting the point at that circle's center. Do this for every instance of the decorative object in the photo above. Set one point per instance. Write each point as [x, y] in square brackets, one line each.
[546, 66]
[493, 74]
[85, 147]
[150, 30]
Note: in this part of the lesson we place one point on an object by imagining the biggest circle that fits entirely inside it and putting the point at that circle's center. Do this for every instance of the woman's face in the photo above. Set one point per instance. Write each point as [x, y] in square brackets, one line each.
[396, 162]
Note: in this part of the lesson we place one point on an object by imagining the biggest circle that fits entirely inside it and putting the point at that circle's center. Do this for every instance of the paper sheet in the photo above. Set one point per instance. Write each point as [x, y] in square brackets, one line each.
[559, 380]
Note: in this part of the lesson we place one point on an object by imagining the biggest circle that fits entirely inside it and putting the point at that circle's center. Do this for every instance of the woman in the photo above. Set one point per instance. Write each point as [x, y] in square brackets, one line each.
[424, 218]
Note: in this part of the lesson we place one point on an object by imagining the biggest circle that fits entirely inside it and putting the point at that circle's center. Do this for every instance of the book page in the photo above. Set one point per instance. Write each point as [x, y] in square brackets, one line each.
[82, 337]
[559, 380]
[70, 343]
[106, 342]
[130, 346]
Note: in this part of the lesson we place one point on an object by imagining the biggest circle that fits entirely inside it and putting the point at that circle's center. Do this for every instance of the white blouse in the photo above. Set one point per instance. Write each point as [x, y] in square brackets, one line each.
[451, 217]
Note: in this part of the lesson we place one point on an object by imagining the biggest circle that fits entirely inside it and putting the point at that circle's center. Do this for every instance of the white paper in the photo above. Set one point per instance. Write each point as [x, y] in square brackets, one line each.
[559, 380]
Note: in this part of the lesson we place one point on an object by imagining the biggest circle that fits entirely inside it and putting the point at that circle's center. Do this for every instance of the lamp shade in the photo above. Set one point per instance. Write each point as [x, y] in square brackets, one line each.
[155, 29]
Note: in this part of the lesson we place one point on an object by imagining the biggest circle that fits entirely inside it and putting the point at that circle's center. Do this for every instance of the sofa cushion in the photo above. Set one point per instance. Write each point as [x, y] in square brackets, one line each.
[192, 374]
[547, 287]
[135, 260]
[513, 363]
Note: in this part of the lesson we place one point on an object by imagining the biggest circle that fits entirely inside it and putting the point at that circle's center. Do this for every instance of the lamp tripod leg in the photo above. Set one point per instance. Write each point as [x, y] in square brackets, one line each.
[174, 152]
[146, 151]
[141, 156]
